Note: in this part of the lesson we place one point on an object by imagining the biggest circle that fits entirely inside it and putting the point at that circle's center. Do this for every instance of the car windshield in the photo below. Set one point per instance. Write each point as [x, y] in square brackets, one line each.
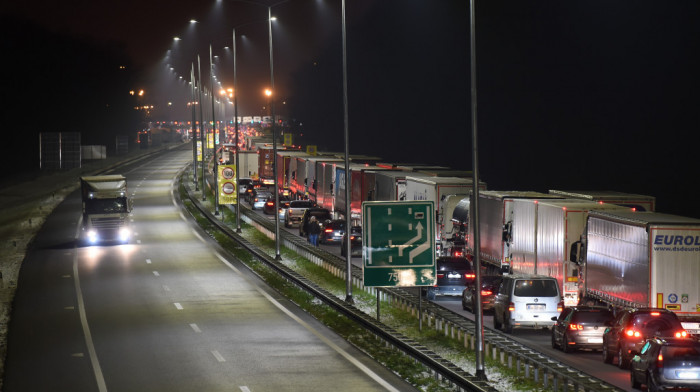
[681, 352]
[593, 316]
[655, 323]
[106, 206]
[536, 288]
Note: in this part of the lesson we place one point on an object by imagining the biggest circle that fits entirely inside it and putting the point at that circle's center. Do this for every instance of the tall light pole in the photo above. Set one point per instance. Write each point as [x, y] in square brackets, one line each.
[348, 213]
[213, 124]
[479, 329]
[274, 138]
[235, 121]
[201, 130]
[194, 133]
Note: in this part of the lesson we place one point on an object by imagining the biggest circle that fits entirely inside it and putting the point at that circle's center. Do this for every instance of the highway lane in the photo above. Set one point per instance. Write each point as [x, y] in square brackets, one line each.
[540, 340]
[170, 311]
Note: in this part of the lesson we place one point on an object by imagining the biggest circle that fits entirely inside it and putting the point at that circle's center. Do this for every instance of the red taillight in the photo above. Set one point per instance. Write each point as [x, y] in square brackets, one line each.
[328, 230]
[440, 276]
[511, 307]
[469, 276]
[682, 334]
[632, 333]
[269, 203]
[486, 292]
[660, 361]
[457, 253]
[576, 327]
[560, 307]
[655, 313]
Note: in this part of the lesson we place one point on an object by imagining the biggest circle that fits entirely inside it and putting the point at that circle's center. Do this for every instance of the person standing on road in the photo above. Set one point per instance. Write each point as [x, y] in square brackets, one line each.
[314, 231]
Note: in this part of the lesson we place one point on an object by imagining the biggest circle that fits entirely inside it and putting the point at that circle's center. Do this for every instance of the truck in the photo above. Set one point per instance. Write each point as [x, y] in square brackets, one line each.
[266, 162]
[361, 187]
[541, 237]
[425, 187]
[638, 202]
[106, 208]
[390, 185]
[495, 222]
[284, 159]
[642, 259]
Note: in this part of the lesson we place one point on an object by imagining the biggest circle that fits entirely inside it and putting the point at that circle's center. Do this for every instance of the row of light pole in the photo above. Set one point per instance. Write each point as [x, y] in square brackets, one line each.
[480, 372]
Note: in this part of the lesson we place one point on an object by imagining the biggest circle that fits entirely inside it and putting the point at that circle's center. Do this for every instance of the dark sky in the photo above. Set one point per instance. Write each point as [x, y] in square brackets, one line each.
[594, 95]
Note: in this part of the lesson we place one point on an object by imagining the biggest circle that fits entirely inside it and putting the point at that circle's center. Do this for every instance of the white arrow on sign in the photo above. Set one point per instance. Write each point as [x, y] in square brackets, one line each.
[420, 249]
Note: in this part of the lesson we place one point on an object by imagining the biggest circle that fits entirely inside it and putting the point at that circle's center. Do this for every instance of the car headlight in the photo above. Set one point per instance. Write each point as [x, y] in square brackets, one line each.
[92, 236]
[124, 234]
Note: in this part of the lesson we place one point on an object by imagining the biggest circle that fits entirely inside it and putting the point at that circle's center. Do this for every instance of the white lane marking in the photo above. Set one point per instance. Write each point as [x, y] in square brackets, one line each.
[324, 339]
[156, 273]
[166, 288]
[99, 378]
[148, 261]
[218, 356]
[198, 236]
[244, 388]
[178, 306]
[195, 328]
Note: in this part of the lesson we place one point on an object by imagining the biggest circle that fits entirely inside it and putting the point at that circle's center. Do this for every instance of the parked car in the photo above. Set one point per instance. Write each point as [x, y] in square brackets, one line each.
[332, 232]
[581, 327]
[489, 288]
[295, 211]
[355, 242]
[667, 363]
[528, 301]
[269, 207]
[454, 274]
[631, 329]
[322, 215]
[259, 198]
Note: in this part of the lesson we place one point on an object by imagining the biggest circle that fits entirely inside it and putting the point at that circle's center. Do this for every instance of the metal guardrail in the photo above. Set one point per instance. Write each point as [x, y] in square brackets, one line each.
[543, 369]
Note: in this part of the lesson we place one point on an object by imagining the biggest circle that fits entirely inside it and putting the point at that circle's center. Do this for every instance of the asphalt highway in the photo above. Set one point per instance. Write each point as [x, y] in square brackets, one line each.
[169, 311]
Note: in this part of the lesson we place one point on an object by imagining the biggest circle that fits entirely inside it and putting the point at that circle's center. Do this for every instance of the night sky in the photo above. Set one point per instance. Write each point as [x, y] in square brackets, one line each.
[599, 95]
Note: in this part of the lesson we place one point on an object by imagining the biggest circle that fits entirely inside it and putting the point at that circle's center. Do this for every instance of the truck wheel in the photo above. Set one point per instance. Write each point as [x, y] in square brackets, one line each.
[607, 355]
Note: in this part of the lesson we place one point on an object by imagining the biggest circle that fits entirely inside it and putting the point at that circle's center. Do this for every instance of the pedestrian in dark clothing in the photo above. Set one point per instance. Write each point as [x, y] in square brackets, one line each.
[314, 231]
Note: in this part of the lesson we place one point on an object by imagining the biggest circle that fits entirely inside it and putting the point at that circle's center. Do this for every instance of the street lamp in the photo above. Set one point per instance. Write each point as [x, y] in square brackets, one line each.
[213, 124]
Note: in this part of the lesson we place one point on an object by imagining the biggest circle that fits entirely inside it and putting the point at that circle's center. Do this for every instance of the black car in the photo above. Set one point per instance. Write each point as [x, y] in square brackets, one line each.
[333, 232]
[355, 242]
[489, 288]
[631, 329]
[667, 363]
[269, 207]
[322, 215]
[581, 327]
[454, 274]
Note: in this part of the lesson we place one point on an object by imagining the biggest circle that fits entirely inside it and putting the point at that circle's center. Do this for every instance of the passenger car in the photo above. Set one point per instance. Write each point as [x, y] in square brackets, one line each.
[453, 276]
[667, 363]
[580, 327]
[295, 211]
[332, 232]
[250, 189]
[631, 329]
[489, 288]
[243, 185]
[355, 242]
[322, 215]
[269, 207]
[258, 199]
[527, 301]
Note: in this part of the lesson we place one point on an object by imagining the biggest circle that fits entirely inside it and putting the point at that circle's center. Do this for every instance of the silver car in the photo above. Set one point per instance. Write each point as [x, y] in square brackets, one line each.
[258, 201]
[667, 363]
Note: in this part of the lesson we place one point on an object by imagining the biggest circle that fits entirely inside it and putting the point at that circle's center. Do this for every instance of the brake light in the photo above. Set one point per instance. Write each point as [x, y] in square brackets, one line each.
[560, 307]
[682, 334]
[660, 361]
[269, 203]
[486, 292]
[469, 276]
[632, 333]
[457, 253]
[328, 230]
[440, 276]
[576, 327]
[511, 307]
[655, 313]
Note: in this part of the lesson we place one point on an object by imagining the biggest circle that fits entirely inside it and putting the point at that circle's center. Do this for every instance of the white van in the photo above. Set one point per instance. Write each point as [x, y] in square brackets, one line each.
[528, 301]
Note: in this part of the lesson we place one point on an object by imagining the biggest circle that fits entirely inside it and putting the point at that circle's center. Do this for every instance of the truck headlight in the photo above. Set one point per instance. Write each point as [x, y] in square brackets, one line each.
[124, 234]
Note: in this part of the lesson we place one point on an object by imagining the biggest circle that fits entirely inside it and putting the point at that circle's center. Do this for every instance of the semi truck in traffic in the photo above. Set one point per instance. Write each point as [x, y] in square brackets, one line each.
[106, 207]
[638, 202]
[642, 259]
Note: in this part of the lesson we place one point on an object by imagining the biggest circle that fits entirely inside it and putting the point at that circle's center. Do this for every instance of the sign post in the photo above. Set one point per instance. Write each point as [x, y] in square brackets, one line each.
[398, 240]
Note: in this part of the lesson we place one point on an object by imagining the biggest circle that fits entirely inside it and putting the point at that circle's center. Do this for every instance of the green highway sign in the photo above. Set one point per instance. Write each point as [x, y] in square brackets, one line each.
[398, 243]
